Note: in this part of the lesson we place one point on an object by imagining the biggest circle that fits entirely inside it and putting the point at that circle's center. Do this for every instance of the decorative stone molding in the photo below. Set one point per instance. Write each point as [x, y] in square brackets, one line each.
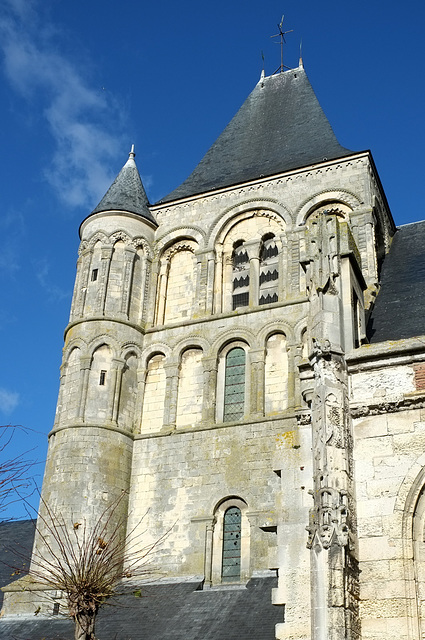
[414, 401]
[329, 518]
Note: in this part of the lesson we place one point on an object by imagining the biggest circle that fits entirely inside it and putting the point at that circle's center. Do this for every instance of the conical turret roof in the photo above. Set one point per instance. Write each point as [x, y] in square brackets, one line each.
[127, 192]
[281, 126]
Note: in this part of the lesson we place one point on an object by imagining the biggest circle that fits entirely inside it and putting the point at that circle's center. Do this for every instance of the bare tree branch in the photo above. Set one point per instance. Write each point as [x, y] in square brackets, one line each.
[89, 561]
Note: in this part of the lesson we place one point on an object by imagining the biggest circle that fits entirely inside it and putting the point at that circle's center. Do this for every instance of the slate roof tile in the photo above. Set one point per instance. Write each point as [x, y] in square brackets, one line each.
[399, 308]
[281, 126]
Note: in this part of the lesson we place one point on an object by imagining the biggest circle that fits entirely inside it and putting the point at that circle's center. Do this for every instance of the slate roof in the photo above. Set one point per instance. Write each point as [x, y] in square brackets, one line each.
[127, 193]
[169, 611]
[18, 536]
[281, 126]
[399, 310]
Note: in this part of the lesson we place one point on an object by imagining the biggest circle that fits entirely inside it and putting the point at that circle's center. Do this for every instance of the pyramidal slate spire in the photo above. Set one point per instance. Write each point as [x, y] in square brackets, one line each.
[127, 192]
[280, 127]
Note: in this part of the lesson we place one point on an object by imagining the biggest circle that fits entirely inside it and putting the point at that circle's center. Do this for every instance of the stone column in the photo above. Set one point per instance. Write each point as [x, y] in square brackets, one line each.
[293, 398]
[162, 291]
[171, 389]
[253, 250]
[141, 381]
[255, 373]
[149, 289]
[60, 394]
[85, 363]
[83, 281]
[209, 294]
[116, 383]
[218, 281]
[210, 390]
[129, 255]
[209, 535]
[105, 265]
[227, 285]
[200, 281]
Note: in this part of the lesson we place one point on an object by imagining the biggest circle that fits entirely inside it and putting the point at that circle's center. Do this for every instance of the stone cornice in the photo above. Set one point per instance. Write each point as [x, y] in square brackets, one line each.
[414, 400]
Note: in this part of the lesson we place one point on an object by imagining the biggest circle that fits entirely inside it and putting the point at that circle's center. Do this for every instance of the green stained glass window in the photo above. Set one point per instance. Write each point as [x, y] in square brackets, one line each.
[234, 385]
[231, 567]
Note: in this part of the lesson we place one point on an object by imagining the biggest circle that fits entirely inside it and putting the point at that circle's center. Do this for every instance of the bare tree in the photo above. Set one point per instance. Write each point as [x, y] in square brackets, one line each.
[14, 478]
[88, 562]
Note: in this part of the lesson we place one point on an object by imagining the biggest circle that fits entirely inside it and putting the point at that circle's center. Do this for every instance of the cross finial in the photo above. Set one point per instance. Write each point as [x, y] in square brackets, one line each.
[281, 35]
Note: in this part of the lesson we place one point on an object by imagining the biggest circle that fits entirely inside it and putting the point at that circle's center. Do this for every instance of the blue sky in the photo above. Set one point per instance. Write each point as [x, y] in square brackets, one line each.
[82, 81]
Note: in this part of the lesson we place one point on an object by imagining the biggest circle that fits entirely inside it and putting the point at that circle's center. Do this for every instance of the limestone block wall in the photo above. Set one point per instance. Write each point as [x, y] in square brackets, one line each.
[389, 441]
[87, 471]
[284, 204]
[179, 481]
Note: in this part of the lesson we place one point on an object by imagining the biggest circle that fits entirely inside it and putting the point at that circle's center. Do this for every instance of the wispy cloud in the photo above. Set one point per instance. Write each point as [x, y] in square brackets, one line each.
[8, 401]
[82, 120]
[12, 229]
[43, 276]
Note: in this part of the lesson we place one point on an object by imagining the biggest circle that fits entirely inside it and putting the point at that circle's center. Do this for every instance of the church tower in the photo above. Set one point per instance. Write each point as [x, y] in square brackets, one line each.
[205, 372]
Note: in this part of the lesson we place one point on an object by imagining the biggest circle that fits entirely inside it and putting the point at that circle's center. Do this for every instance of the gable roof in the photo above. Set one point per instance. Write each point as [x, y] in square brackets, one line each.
[126, 193]
[399, 310]
[281, 126]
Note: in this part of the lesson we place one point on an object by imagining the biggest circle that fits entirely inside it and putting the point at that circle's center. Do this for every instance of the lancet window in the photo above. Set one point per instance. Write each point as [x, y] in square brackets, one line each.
[231, 559]
[234, 385]
[269, 271]
[240, 277]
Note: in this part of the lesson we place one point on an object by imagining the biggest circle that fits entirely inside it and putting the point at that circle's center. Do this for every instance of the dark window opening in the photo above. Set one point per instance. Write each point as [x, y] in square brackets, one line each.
[269, 299]
[55, 608]
[240, 300]
[102, 378]
[241, 282]
[94, 274]
[268, 276]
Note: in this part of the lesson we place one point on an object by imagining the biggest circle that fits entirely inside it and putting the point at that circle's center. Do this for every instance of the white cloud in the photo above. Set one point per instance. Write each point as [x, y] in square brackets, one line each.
[8, 400]
[42, 273]
[80, 119]
[12, 230]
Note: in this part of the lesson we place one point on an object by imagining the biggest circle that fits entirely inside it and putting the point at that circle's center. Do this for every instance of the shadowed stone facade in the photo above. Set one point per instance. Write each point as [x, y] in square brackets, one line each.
[217, 365]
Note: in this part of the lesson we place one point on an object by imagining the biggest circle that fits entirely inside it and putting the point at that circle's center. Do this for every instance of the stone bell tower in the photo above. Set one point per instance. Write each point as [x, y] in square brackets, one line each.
[209, 371]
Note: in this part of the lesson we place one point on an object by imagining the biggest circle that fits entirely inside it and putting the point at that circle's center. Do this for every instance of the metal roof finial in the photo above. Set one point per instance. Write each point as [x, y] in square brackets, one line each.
[281, 35]
[132, 153]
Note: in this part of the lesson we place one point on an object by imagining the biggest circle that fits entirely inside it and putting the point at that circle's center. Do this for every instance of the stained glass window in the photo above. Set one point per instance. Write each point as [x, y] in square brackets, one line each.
[231, 567]
[234, 385]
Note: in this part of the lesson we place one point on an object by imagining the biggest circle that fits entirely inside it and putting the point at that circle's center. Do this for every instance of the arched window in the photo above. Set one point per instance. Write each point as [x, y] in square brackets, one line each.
[231, 557]
[191, 387]
[128, 397]
[92, 302]
[115, 280]
[154, 396]
[240, 278]
[228, 550]
[234, 385]
[276, 374]
[100, 385]
[269, 270]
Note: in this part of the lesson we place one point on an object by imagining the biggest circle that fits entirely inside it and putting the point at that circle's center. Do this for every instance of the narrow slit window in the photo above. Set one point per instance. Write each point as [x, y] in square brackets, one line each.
[55, 608]
[94, 274]
[102, 378]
